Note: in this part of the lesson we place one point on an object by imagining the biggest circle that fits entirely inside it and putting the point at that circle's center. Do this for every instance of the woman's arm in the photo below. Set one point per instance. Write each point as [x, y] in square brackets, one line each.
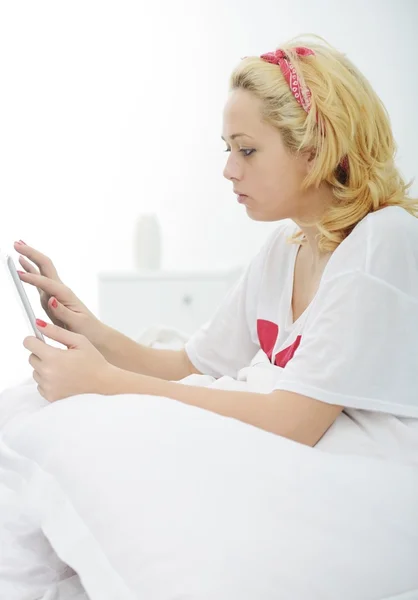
[288, 414]
[123, 352]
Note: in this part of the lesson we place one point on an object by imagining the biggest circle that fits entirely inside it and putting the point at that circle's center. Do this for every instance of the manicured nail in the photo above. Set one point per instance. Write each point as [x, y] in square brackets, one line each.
[22, 242]
[54, 303]
[40, 323]
[21, 272]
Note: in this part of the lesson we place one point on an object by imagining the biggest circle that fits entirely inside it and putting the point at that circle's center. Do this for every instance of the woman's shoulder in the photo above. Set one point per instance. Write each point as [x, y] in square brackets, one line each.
[384, 245]
[384, 228]
[390, 224]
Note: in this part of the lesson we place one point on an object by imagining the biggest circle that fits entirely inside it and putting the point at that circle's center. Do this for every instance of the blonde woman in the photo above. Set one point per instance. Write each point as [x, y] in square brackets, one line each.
[319, 339]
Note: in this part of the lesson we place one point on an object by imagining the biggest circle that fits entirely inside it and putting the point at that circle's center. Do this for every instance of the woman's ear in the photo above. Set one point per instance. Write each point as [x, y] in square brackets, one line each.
[308, 157]
[312, 155]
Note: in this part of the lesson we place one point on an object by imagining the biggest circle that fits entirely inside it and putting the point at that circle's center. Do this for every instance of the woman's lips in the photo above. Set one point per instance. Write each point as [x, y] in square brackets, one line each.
[241, 198]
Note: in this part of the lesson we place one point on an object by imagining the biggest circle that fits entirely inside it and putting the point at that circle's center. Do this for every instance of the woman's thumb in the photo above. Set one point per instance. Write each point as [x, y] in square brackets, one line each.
[53, 302]
[57, 308]
[60, 311]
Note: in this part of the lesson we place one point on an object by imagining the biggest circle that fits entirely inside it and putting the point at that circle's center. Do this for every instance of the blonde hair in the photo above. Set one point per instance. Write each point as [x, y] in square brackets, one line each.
[346, 119]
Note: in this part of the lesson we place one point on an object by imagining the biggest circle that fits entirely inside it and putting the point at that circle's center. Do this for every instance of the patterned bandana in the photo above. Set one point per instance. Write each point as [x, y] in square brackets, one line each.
[279, 57]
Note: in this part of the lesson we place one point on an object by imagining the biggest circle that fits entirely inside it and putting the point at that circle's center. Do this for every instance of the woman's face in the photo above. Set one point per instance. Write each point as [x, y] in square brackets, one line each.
[258, 164]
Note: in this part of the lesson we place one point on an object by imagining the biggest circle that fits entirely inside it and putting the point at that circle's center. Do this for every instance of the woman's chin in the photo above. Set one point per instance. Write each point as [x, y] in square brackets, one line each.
[260, 215]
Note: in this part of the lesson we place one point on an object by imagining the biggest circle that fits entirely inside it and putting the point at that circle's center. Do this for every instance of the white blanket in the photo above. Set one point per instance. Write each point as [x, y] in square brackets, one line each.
[317, 520]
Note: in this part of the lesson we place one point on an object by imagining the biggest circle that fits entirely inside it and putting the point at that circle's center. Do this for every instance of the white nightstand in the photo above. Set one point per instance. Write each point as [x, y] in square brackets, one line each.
[132, 301]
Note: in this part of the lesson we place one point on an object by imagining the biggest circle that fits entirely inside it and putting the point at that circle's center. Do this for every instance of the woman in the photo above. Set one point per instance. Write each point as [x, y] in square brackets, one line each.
[319, 332]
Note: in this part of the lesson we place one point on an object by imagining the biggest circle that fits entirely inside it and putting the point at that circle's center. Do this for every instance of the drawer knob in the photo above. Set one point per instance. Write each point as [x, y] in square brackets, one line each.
[187, 299]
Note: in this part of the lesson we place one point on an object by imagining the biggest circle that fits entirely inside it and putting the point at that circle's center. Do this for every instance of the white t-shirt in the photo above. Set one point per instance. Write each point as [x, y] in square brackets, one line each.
[356, 344]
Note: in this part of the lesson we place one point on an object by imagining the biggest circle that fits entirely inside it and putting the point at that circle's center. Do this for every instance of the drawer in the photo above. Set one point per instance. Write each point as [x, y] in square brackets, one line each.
[132, 305]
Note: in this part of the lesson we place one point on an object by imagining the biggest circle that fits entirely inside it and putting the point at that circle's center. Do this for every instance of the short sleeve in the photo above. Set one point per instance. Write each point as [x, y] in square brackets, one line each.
[229, 341]
[359, 347]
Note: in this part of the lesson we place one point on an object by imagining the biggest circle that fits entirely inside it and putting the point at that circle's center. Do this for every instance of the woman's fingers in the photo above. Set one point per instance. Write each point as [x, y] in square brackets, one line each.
[30, 269]
[44, 263]
[27, 265]
[35, 362]
[50, 286]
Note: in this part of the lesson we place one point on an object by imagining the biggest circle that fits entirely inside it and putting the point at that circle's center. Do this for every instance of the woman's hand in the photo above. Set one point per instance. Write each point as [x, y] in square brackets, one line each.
[60, 373]
[60, 304]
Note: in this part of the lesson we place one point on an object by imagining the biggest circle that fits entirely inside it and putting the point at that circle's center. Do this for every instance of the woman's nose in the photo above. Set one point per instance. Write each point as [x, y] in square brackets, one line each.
[232, 169]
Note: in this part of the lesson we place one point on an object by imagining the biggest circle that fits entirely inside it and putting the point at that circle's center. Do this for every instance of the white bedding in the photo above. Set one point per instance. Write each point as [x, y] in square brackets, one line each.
[148, 498]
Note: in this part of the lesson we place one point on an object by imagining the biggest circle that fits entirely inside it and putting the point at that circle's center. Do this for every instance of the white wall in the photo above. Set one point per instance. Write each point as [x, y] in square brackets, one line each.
[110, 109]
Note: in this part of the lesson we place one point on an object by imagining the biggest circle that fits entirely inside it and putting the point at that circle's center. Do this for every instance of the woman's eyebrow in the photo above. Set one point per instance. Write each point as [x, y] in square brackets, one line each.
[235, 135]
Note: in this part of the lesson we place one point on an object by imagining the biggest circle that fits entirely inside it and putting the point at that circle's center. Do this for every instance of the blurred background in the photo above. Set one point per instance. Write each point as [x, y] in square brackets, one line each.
[110, 110]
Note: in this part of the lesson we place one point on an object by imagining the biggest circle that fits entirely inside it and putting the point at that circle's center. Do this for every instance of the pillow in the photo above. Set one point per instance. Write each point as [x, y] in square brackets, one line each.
[146, 497]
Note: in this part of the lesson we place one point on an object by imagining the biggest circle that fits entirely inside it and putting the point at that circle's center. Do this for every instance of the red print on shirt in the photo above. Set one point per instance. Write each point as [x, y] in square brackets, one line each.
[268, 332]
[267, 335]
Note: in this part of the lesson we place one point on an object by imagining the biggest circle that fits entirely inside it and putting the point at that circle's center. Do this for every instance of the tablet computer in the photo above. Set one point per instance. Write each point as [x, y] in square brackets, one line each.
[23, 297]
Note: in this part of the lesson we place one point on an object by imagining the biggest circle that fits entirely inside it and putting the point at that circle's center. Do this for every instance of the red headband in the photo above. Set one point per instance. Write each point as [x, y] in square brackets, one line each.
[279, 57]
[301, 93]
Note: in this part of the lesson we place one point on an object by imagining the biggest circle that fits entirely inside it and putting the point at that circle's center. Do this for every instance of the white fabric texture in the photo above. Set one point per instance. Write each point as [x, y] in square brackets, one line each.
[29, 567]
[145, 497]
[233, 472]
[158, 336]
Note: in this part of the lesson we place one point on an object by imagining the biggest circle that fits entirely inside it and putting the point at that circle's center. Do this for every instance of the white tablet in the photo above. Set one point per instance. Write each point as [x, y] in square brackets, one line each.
[23, 297]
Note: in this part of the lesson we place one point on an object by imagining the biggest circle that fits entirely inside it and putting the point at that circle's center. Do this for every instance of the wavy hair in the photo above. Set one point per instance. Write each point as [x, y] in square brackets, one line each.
[347, 120]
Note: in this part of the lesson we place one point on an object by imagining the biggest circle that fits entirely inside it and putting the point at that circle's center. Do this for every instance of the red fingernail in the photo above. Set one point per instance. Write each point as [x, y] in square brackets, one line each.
[21, 272]
[40, 323]
[54, 303]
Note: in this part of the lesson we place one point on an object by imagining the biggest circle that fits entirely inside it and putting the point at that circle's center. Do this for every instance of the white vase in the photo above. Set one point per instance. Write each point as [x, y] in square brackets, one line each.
[147, 242]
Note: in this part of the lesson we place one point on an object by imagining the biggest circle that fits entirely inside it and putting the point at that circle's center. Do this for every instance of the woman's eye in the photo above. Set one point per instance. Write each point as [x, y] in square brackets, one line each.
[245, 151]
